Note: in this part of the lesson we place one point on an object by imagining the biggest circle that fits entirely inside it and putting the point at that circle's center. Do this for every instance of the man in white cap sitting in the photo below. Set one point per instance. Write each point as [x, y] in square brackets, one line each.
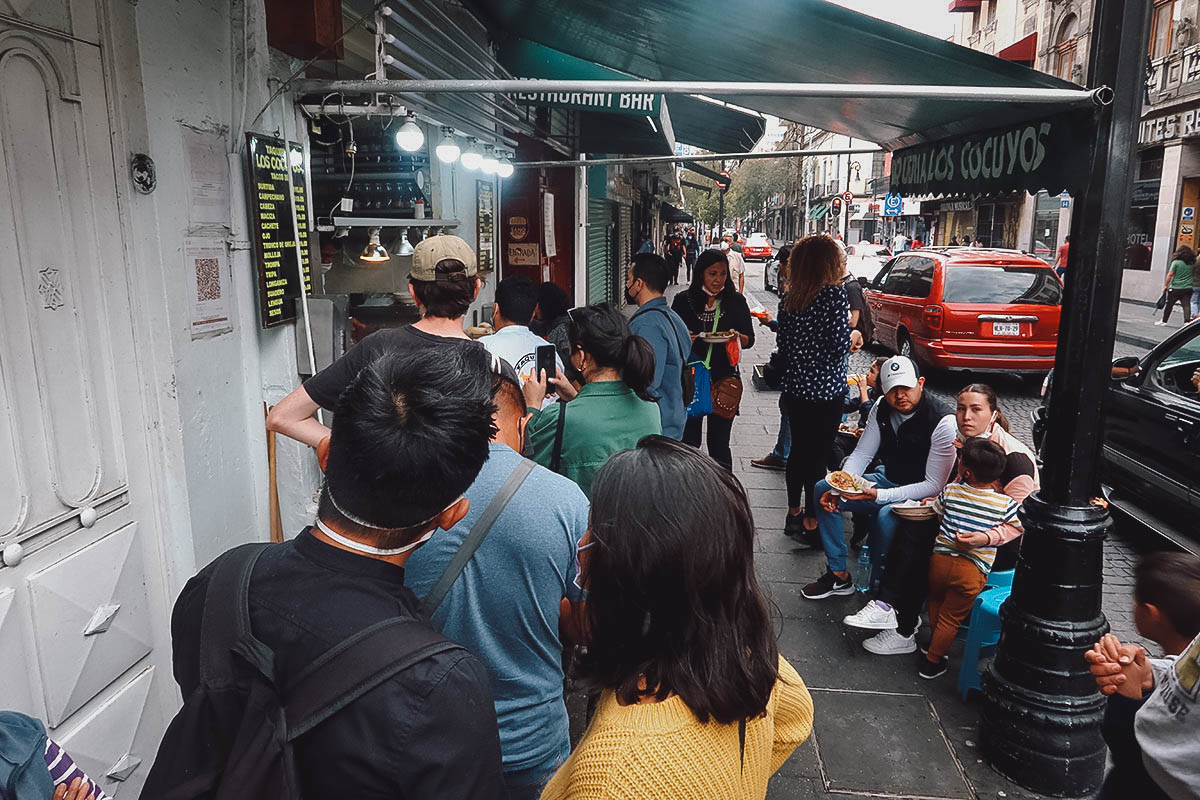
[911, 434]
[443, 283]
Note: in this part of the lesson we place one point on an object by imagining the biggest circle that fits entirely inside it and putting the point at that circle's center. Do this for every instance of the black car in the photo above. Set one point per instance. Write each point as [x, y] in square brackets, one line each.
[1150, 471]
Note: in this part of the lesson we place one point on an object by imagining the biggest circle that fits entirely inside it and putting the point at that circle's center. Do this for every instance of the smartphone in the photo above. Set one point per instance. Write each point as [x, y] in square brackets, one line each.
[545, 361]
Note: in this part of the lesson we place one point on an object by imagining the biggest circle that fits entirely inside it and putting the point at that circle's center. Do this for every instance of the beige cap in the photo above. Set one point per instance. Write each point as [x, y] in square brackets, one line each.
[435, 249]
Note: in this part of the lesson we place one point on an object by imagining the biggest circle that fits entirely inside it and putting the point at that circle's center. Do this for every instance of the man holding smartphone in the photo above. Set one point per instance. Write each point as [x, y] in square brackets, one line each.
[516, 299]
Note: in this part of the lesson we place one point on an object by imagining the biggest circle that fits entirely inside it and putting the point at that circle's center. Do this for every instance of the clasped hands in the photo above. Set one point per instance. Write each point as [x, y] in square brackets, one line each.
[1119, 668]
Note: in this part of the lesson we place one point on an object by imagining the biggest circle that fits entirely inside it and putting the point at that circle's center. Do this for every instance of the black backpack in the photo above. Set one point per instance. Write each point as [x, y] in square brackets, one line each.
[233, 738]
[687, 375]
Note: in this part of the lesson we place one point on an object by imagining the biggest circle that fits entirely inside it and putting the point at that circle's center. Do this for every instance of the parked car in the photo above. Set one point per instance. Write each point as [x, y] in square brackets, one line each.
[1151, 447]
[864, 260]
[758, 247]
[978, 309]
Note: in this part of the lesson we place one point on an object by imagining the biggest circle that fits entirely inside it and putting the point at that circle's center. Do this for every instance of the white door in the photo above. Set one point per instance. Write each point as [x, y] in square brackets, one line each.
[82, 612]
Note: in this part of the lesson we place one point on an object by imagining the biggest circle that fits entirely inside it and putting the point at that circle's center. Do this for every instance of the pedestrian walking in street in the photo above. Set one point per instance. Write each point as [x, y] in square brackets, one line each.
[676, 252]
[550, 319]
[737, 264]
[1060, 258]
[904, 584]
[693, 251]
[443, 283]
[696, 701]
[899, 243]
[655, 322]
[814, 338]
[963, 552]
[504, 606]
[1178, 284]
[612, 411]
[516, 300]
[410, 435]
[911, 435]
[712, 305]
[1150, 719]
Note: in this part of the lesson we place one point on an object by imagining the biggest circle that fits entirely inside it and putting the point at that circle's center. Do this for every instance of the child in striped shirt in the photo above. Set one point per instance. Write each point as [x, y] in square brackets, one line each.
[963, 552]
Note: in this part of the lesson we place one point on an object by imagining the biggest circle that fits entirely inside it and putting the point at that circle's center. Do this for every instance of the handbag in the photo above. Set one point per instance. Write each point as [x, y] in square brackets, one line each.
[727, 397]
[702, 402]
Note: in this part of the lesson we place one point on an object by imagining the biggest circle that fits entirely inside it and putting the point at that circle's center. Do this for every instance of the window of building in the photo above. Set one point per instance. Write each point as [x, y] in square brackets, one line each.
[991, 14]
[1064, 47]
[1161, 25]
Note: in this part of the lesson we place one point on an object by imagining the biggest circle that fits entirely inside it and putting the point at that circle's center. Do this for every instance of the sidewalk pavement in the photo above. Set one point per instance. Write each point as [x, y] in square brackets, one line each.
[1135, 324]
[880, 730]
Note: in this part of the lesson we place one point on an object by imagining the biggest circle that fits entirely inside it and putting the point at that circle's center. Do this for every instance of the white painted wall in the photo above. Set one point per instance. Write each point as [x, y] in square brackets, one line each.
[456, 200]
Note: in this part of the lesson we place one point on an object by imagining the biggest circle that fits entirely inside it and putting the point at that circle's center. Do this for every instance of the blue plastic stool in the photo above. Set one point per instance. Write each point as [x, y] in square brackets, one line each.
[983, 628]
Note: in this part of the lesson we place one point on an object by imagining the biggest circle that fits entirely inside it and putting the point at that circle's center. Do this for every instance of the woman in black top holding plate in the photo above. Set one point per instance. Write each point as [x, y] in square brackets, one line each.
[814, 338]
[698, 308]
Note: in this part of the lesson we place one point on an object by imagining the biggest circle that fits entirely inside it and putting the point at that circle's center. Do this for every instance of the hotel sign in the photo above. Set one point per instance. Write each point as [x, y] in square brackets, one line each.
[640, 103]
[1181, 125]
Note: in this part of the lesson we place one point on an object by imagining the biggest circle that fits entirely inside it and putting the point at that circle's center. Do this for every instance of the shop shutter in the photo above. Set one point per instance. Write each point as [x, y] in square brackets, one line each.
[599, 250]
[624, 252]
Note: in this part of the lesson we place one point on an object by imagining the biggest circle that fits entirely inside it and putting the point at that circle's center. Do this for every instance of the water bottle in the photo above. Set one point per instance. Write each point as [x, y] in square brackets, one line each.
[862, 575]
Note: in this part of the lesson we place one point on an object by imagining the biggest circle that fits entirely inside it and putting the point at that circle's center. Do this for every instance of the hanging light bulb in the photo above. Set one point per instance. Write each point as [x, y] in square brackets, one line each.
[405, 248]
[410, 137]
[471, 157]
[490, 163]
[448, 150]
[374, 253]
[505, 169]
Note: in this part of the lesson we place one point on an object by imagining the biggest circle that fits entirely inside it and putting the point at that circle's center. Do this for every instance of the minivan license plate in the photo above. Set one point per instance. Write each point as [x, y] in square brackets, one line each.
[1006, 329]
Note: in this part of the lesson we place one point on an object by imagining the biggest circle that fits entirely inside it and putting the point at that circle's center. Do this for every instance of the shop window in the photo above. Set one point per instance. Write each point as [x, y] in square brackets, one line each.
[1161, 26]
[1150, 164]
[1065, 47]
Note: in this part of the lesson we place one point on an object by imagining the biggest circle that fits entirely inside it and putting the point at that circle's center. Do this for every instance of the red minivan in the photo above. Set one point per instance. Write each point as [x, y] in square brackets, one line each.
[966, 308]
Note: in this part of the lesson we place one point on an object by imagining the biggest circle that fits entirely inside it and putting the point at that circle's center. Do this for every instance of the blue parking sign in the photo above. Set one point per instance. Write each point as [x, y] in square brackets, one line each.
[892, 204]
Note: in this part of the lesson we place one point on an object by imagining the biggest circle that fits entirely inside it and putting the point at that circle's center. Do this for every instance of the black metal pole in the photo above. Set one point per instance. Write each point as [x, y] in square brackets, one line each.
[1041, 714]
[721, 209]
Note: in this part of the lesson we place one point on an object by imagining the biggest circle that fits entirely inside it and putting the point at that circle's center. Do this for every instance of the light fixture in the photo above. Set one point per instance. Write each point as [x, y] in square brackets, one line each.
[448, 150]
[490, 163]
[471, 157]
[374, 253]
[405, 248]
[410, 137]
[296, 157]
[505, 168]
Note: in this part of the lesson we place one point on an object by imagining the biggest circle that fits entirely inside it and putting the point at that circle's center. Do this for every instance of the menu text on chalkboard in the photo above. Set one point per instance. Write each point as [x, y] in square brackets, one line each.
[485, 225]
[271, 228]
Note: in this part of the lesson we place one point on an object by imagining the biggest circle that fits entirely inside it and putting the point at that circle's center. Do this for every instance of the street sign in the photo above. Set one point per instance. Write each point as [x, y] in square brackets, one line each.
[847, 197]
[724, 181]
[892, 204]
[1189, 213]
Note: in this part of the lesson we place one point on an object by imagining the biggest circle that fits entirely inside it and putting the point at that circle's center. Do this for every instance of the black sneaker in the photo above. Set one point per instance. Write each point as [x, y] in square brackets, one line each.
[826, 586]
[930, 670]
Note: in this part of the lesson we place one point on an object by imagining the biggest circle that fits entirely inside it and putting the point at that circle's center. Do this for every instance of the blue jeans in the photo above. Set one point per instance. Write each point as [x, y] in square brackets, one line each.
[833, 528]
[783, 445]
[1195, 302]
[527, 784]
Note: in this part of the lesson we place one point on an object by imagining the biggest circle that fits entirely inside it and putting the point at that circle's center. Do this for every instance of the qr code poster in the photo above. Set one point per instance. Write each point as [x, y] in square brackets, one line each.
[207, 271]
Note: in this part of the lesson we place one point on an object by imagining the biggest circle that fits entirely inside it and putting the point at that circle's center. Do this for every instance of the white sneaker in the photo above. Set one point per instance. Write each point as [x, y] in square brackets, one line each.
[1159, 322]
[873, 616]
[890, 643]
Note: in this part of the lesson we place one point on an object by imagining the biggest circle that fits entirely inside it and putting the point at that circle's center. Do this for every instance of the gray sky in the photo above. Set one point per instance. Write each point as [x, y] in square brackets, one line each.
[927, 16]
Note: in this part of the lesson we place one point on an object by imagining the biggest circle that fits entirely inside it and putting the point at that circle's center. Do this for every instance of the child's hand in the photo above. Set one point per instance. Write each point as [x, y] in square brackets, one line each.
[977, 539]
[1119, 667]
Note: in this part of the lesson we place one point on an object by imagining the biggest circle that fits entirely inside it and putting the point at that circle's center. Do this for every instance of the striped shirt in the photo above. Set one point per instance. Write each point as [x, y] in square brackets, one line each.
[63, 770]
[965, 509]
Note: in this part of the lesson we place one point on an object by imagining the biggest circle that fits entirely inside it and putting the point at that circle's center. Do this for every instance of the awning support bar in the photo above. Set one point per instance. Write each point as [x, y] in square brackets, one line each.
[991, 94]
[600, 162]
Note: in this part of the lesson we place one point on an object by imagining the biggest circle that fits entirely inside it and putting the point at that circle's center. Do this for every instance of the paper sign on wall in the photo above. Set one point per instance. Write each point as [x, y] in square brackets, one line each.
[523, 255]
[208, 176]
[207, 272]
[548, 224]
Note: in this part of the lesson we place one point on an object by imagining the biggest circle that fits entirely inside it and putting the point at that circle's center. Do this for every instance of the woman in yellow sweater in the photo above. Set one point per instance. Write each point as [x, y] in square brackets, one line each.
[696, 701]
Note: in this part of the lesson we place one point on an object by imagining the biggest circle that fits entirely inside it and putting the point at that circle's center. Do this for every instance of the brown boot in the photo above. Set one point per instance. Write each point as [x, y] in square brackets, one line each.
[770, 461]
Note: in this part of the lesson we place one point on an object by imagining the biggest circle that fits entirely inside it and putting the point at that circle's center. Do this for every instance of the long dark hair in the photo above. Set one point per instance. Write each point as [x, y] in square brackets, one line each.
[672, 595]
[1185, 254]
[604, 334]
[989, 394]
[552, 301]
[707, 259]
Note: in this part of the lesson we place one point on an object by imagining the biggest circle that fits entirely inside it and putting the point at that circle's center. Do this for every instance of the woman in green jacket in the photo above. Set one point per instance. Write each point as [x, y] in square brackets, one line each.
[1178, 284]
[612, 411]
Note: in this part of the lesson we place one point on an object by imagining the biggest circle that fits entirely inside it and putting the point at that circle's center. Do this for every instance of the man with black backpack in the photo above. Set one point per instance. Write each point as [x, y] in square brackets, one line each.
[659, 325]
[307, 668]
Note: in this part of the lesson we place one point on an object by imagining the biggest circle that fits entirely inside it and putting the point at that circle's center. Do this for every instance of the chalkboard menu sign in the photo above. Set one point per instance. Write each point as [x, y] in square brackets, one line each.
[272, 232]
[485, 225]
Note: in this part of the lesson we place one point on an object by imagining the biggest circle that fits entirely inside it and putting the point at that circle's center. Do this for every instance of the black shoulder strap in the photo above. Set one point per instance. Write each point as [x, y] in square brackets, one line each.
[742, 741]
[226, 618]
[556, 454]
[671, 322]
[475, 538]
[357, 665]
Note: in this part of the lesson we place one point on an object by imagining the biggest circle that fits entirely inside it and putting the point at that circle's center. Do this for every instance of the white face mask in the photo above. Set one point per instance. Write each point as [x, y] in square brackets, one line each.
[368, 549]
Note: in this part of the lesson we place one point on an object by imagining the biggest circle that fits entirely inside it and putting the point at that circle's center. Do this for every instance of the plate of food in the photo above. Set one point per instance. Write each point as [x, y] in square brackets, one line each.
[842, 482]
[717, 338]
[850, 428]
[914, 509]
[480, 330]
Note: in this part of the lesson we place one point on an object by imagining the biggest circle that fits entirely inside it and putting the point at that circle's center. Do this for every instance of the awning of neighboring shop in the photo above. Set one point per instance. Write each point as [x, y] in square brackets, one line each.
[965, 5]
[793, 41]
[702, 123]
[670, 213]
[817, 212]
[1021, 52]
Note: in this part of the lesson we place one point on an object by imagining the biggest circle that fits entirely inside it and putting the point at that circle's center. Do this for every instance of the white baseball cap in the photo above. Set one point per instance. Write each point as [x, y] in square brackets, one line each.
[897, 371]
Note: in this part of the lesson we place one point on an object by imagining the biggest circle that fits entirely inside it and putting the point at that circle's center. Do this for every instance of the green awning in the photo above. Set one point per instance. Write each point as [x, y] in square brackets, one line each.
[670, 213]
[805, 41]
[609, 127]
[817, 212]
